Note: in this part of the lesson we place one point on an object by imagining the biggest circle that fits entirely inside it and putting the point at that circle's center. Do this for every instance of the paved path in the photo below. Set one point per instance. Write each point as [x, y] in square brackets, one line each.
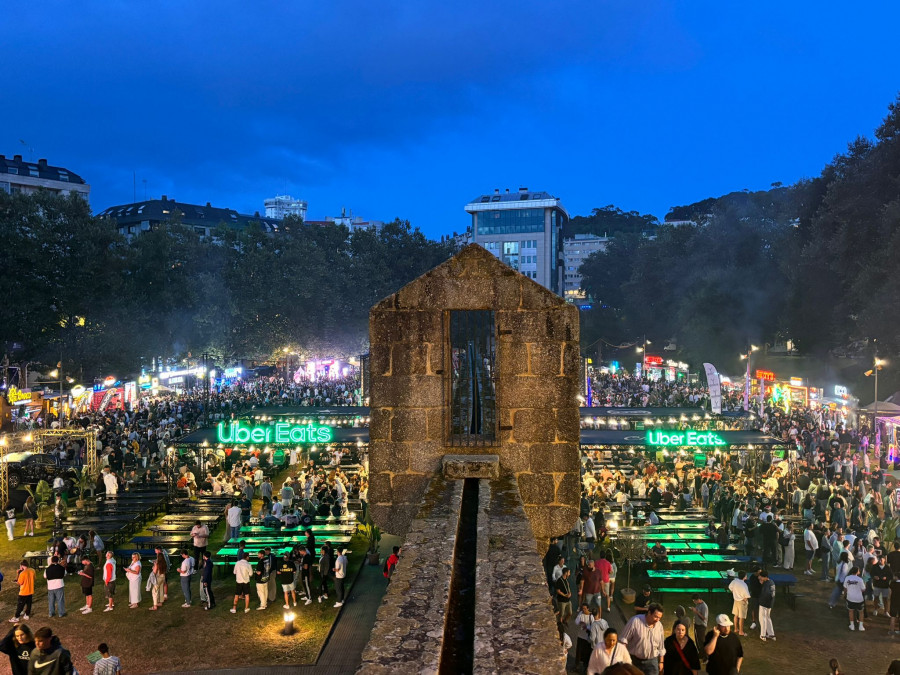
[342, 652]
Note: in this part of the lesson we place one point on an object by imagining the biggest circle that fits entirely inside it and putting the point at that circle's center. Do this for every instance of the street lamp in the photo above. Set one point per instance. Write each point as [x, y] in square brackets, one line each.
[877, 364]
[747, 355]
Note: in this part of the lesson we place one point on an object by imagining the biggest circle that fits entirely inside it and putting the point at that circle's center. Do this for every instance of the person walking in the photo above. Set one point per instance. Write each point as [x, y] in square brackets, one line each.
[723, 648]
[108, 664]
[86, 576]
[109, 580]
[644, 637]
[607, 653]
[49, 657]
[840, 574]
[206, 582]
[787, 546]
[766, 601]
[18, 645]
[305, 563]
[56, 590]
[133, 574]
[340, 574]
[242, 573]
[564, 596]
[681, 654]
[856, 599]
[185, 571]
[25, 581]
[701, 618]
[10, 513]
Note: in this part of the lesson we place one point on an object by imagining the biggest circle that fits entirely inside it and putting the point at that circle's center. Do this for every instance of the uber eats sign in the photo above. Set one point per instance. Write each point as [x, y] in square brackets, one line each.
[281, 432]
[685, 438]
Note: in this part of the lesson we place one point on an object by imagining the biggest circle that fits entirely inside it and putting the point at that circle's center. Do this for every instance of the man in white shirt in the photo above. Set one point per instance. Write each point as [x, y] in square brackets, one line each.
[741, 596]
[644, 637]
[233, 522]
[340, 573]
[590, 530]
[242, 573]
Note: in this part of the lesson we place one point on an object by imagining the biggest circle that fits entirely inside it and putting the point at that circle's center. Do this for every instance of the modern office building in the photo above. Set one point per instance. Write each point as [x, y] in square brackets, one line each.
[279, 206]
[575, 251]
[19, 176]
[524, 230]
[132, 219]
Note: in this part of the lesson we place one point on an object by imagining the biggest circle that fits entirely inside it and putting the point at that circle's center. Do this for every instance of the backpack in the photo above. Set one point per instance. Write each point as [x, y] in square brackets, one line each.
[784, 539]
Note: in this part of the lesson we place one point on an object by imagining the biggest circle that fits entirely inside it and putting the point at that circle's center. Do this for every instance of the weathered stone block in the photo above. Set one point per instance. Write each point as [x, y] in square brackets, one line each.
[389, 456]
[380, 490]
[408, 424]
[554, 325]
[550, 521]
[534, 487]
[568, 425]
[380, 359]
[534, 425]
[568, 489]
[516, 457]
[556, 458]
[425, 457]
[457, 467]
[379, 424]
[409, 391]
[408, 487]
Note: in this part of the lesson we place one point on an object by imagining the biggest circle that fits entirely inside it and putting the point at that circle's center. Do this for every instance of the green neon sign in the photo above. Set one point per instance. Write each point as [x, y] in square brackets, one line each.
[684, 438]
[282, 432]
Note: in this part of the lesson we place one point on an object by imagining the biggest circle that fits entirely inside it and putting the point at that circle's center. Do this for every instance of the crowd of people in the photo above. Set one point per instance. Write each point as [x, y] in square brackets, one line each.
[827, 499]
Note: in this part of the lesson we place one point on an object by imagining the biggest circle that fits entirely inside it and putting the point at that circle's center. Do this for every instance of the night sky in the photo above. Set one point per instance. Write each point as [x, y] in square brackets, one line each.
[412, 109]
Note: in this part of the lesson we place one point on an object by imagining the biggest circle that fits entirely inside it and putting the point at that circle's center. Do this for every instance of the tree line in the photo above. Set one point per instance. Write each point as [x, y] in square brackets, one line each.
[813, 263]
[75, 289]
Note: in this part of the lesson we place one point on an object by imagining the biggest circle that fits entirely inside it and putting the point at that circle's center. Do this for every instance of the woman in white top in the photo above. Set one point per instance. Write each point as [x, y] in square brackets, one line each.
[133, 573]
[609, 653]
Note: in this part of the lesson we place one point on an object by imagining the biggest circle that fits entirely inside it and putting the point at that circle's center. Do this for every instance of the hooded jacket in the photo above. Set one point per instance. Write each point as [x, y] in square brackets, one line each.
[19, 654]
[56, 661]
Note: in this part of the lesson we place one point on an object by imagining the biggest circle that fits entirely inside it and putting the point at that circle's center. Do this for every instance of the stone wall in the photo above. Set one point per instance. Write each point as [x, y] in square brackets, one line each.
[515, 629]
[537, 386]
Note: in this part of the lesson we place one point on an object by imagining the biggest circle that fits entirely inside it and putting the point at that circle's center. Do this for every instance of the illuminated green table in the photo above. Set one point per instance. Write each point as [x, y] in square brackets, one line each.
[685, 575]
[686, 558]
[686, 536]
[703, 546]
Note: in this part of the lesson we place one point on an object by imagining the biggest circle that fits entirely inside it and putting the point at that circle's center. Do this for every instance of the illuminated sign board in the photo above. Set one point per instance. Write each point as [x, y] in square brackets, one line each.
[684, 438]
[281, 432]
[653, 360]
[766, 375]
[796, 381]
[17, 396]
[841, 391]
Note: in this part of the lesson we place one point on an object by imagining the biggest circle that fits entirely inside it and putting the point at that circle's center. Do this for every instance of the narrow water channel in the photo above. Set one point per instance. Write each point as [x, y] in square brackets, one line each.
[458, 649]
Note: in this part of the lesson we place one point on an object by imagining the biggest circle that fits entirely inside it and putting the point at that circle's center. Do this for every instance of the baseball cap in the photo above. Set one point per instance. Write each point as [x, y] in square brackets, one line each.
[723, 620]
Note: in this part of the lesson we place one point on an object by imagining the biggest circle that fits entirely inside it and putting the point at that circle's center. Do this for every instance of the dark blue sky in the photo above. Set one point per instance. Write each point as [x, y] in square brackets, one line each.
[411, 109]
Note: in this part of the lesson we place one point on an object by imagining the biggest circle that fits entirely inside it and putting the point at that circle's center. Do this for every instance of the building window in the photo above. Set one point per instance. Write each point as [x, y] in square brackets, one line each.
[4, 187]
[509, 221]
[12, 169]
[473, 394]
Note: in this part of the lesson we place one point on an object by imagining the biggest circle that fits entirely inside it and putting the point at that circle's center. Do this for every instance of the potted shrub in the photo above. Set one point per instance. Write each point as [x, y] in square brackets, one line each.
[372, 533]
[632, 548]
[83, 484]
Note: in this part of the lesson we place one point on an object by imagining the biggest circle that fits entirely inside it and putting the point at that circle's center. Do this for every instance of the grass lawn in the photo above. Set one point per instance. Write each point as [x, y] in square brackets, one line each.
[173, 638]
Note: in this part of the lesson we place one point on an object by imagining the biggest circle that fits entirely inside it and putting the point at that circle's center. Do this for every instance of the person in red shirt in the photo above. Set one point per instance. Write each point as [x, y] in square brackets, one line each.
[391, 563]
[604, 567]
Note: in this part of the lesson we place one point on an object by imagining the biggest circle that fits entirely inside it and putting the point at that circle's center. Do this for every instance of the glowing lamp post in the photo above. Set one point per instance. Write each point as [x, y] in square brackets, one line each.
[288, 624]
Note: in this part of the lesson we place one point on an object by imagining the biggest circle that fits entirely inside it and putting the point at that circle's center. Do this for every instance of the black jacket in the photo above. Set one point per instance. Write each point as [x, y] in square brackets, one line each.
[56, 661]
[18, 653]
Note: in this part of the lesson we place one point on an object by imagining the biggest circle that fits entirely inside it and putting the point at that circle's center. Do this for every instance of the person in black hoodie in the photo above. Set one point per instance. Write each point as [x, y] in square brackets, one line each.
[18, 644]
[206, 580]
[49, 657]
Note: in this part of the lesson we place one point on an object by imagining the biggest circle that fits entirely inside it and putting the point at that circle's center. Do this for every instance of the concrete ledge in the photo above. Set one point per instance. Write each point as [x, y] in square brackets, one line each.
[457, 467]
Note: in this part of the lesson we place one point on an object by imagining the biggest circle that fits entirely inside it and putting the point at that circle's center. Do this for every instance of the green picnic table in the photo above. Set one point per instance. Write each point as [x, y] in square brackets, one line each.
[684, 536]
[315, 527]
[685, 575]
[703, 546]
[686, 558]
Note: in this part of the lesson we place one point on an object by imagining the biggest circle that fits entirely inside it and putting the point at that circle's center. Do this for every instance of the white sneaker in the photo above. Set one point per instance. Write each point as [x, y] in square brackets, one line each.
[81, 609]
[187, 604]
[25, 617]
[320, 599]
[108, 609]
[87, 610]
[260, 608]
[852, 627]
[286, 606]
[339, 604]
[752, 625]
[14, 620]
[861, 627]
[233, 610]
[308, 601]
